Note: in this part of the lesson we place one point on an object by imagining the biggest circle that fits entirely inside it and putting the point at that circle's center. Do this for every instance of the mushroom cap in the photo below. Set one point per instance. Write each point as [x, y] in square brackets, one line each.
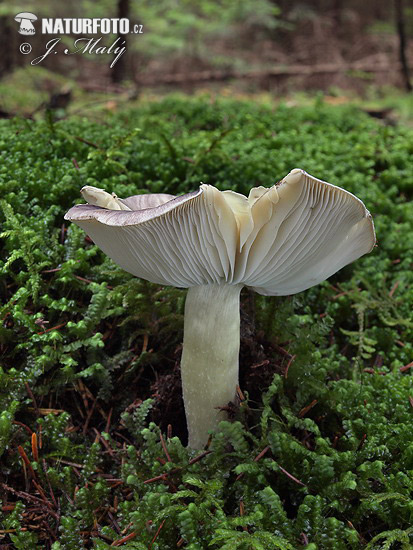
[278, 241]
[25, 15]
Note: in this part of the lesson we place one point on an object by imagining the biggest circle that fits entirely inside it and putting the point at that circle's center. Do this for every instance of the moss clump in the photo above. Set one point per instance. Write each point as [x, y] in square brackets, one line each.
[319, 454]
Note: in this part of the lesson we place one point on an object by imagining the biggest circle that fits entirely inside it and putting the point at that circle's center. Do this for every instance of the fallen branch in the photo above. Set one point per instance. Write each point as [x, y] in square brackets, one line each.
[283, 70]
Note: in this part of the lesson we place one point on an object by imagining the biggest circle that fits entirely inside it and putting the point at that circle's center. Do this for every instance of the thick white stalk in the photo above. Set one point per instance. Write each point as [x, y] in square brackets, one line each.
[209, 364]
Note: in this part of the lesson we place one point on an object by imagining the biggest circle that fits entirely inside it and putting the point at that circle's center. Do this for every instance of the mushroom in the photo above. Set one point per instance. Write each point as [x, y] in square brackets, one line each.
[26, 26]
[279, 241]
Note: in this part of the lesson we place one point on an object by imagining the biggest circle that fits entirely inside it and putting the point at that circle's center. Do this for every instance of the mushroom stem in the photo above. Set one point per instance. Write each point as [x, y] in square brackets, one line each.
[209, 364]
[27, 26]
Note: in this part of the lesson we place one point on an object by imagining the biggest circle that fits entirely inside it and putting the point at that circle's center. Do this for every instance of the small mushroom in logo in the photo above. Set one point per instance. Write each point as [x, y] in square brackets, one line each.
[26, 26]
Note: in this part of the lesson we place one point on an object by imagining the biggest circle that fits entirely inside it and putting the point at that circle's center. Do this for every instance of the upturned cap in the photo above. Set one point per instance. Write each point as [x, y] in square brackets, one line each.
[278, 240]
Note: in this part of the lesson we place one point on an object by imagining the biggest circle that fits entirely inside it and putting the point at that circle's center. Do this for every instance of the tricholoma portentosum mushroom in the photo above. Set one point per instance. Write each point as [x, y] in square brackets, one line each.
[278, 241]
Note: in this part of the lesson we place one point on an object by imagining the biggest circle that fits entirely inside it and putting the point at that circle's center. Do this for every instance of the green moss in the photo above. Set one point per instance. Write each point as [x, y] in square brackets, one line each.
[88, 353]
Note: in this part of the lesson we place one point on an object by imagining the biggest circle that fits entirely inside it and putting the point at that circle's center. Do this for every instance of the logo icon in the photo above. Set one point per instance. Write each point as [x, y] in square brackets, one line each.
[26, 23]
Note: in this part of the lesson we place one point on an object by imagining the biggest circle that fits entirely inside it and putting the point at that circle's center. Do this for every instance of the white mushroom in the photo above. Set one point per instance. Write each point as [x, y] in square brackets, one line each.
[278, 241]
[26, 26]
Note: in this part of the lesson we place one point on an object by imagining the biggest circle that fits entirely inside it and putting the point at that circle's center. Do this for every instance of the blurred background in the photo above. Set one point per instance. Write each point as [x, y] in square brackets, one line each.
[344, 48]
